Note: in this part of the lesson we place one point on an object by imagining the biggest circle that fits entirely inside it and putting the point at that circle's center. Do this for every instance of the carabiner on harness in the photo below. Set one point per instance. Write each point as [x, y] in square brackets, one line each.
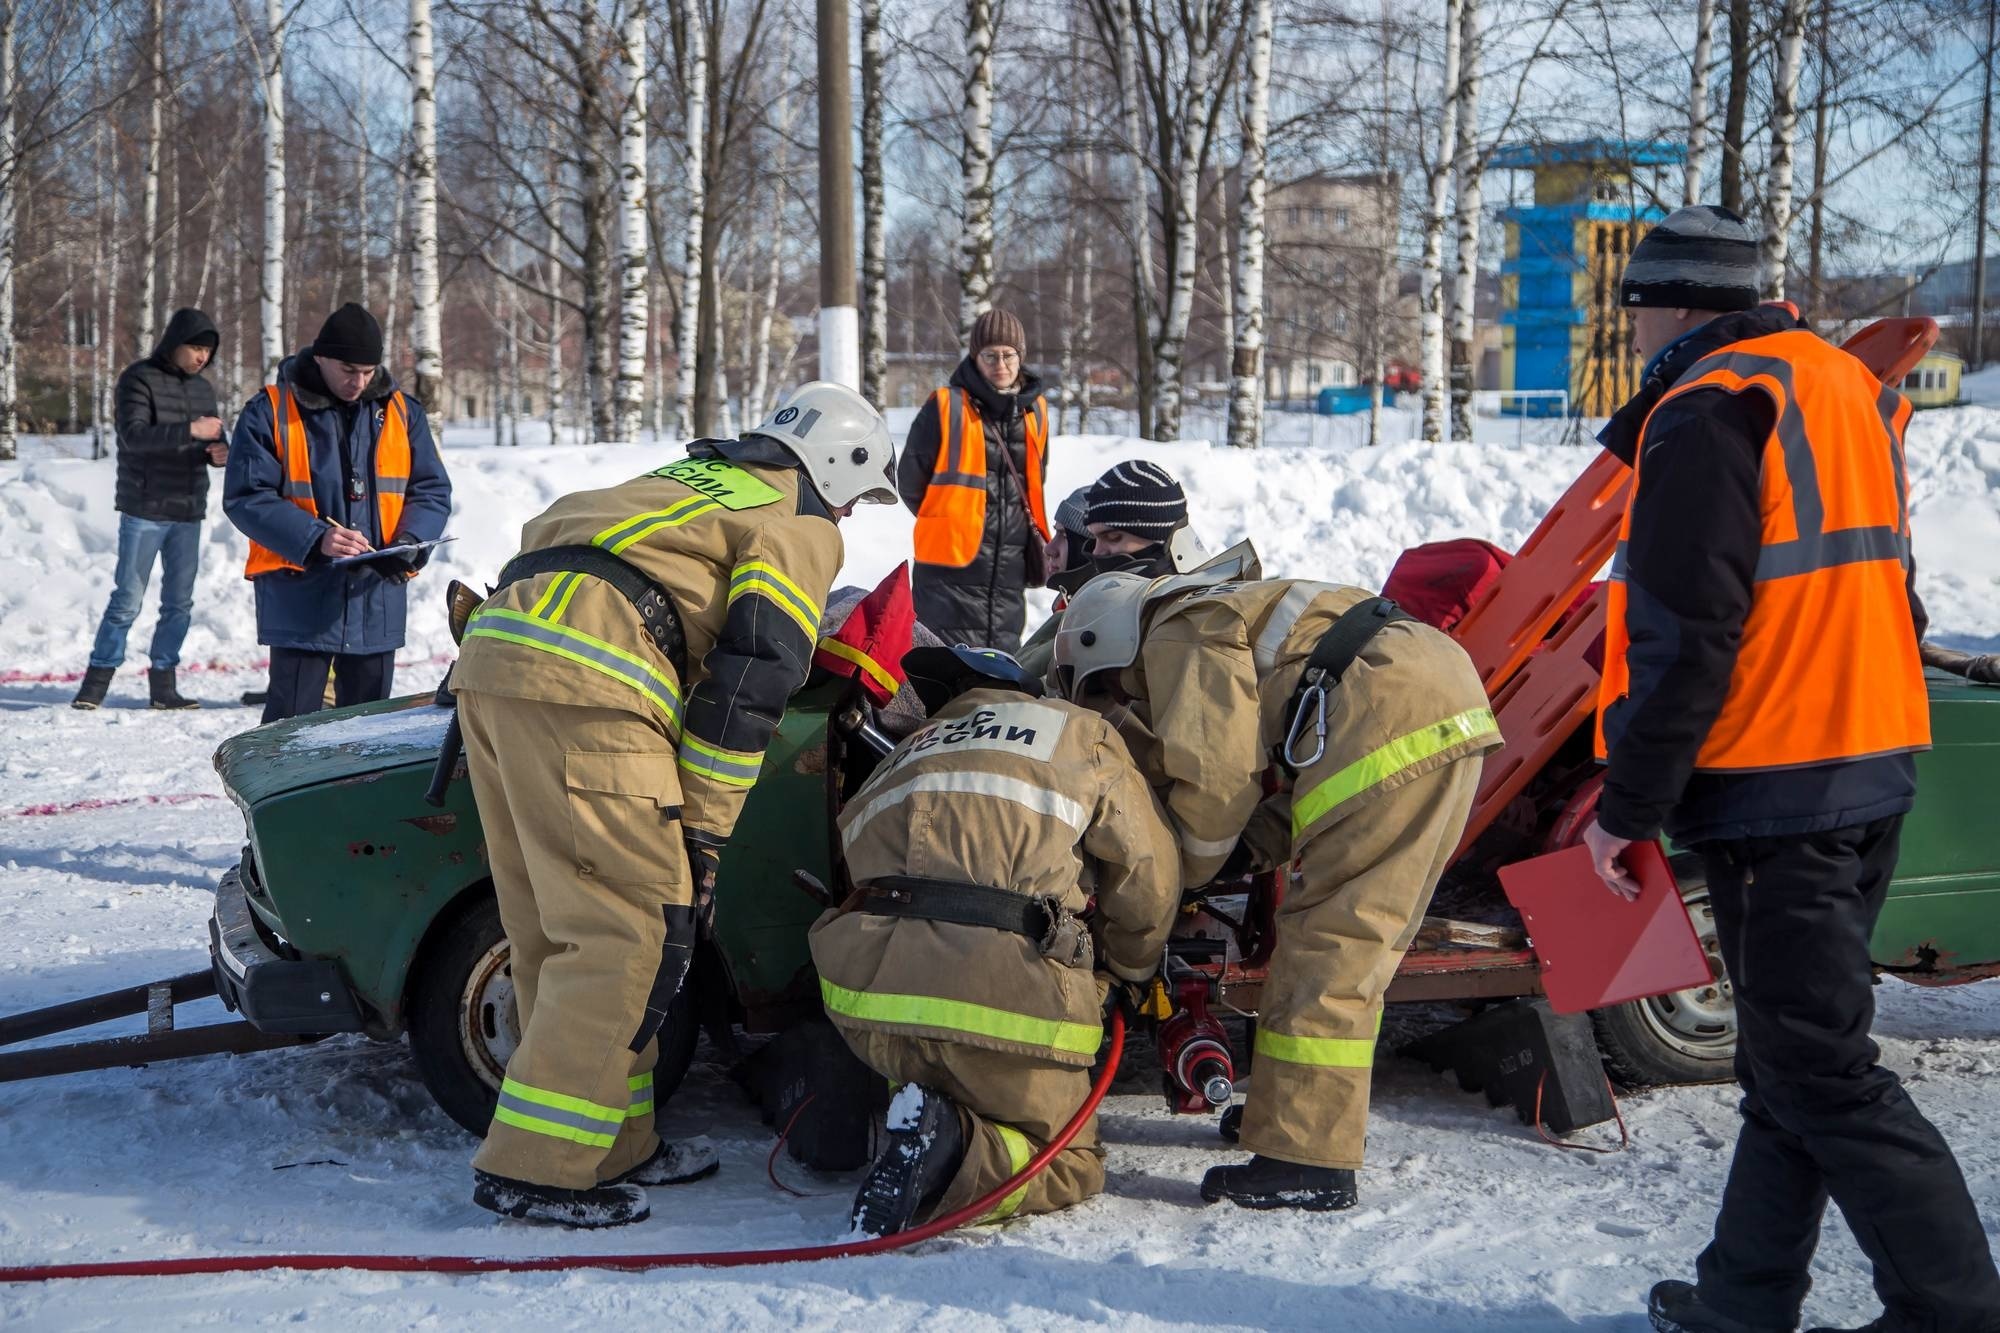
[1313, 697]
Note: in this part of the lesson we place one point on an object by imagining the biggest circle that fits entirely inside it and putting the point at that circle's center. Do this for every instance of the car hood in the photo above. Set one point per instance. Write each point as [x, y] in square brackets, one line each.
[339, 745]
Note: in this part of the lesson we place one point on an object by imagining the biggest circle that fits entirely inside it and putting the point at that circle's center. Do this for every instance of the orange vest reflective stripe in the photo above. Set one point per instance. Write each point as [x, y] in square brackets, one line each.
[1828, 668]
[952, 520]
[392, 469]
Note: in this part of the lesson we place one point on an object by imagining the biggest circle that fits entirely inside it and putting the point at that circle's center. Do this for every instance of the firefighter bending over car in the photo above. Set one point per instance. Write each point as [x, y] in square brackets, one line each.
[958, 967]
[1374, 725]
[616, 694]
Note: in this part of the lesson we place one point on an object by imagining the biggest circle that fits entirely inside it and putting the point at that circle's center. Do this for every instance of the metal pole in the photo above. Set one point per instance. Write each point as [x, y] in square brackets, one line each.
[839, 321]
[1979, 213]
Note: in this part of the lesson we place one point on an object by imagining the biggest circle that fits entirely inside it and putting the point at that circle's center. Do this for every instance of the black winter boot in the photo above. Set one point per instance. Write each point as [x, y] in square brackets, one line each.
[96, 681]
[1231, 1124]
[1266, 1182]
[599, 1206]
[1674, 1307]
[165, 694]
[926, 1144]
[674, 1164]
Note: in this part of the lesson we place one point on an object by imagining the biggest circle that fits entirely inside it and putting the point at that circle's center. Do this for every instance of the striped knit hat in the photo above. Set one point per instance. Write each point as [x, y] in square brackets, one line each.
[1700, 258]
[1140, 498]
[1071, 514]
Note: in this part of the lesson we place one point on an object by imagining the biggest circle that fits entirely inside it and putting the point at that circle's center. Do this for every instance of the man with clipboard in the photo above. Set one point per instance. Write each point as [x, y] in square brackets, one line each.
[331, 463]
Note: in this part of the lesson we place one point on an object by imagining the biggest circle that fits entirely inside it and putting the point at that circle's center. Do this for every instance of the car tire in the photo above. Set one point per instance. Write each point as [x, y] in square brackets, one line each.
[462, 1026]
[1685, 1037]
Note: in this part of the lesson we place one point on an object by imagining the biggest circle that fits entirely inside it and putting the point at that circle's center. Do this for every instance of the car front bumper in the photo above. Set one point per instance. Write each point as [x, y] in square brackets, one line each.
[274, 992]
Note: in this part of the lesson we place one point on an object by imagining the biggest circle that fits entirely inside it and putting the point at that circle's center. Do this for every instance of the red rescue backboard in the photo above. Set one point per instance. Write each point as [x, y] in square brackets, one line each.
[1593, 947]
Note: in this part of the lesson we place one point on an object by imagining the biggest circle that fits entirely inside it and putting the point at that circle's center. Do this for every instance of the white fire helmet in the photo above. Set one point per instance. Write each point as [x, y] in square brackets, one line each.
[841, 442]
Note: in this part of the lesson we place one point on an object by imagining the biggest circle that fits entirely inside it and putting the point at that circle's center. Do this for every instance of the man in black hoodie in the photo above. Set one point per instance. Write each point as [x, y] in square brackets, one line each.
[168, 437]
[981, 521]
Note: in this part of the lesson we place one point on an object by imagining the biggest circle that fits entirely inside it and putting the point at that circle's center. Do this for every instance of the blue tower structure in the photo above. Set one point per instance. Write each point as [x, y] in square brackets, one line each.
[1561, 325]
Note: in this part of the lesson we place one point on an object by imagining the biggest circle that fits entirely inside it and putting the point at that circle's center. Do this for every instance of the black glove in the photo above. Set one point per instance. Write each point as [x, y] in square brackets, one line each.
[1122, 996]
[704, 863]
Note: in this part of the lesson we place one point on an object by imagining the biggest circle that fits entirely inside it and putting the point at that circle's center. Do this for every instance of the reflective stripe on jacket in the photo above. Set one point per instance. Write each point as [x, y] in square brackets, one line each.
[1828, 668]
[951, 523]
[392, 469]
[1037, 796]
[747, 555]
[1213, 689]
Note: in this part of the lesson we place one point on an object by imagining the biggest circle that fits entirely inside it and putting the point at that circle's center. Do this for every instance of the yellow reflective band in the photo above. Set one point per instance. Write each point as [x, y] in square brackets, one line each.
[1385, 763]
[868, 664]
[575, 581]
[640, 526]
[542, 602]
[1325, 1052]
[735, 768]
[1019, 1153]
[536, 1125]
[585, 650]
[759, 578]
[641, 1086]
[560, 1101]
[963, 1016]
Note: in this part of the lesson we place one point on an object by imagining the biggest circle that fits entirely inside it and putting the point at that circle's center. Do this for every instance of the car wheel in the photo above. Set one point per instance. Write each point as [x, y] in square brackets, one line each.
[463, 1026]
[1688, 1036]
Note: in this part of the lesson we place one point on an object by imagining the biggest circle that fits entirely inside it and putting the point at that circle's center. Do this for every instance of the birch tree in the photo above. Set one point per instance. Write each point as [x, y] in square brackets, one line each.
[975, 236]
[633, 246]
[1246, 397]
[1784, 134]
[1736, 102]
[1468, 167]
[149, 205]
[874, 222]
[1204, 23]
[1138, 212]
[271, 282]
[694, 138]
[1431, 280]
[1704, 43]
[10, 203]
[426, 333]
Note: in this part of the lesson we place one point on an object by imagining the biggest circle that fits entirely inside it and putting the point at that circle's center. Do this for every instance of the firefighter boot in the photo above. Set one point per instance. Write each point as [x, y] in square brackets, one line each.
[674, 1163]
[1266, 1182]
[96, 681]
[1674, 1307]
[926, 1145]
[598, 1206]
[165, 693]
[1231, 1124]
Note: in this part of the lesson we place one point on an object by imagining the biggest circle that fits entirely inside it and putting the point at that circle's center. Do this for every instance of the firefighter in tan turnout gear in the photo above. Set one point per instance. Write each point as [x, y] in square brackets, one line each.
[958, 967]
[1374, 725]
[616, 694]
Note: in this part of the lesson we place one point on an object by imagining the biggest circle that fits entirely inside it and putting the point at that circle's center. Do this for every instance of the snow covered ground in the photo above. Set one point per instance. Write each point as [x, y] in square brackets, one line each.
[113, 831]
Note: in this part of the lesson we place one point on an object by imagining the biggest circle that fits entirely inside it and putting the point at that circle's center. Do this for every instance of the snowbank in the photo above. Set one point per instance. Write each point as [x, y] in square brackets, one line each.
[1336, 512]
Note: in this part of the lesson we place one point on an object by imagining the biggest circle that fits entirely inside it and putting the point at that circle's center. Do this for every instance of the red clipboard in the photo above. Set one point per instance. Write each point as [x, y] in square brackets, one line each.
[1593, 947]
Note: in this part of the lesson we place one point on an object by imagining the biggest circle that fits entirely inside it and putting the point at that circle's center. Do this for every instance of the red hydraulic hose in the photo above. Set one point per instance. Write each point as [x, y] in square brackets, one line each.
[466, 1263]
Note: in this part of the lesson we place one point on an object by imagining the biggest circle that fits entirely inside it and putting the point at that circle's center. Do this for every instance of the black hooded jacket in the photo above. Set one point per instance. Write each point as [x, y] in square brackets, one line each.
[985, 603]
[1690, 564]
[162, 468]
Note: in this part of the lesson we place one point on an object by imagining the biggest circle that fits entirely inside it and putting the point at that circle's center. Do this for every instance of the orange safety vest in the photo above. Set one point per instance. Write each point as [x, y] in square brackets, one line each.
[392, 469]
[952, 521]
[1827, 669]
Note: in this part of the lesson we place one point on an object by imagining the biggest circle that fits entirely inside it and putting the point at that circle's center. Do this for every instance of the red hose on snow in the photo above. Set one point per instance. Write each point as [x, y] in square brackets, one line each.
[466, 1263]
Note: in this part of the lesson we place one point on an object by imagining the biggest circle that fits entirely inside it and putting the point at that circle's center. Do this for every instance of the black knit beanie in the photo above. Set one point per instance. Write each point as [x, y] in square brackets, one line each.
[1700, 258]
[350, 334]
[1140, 498]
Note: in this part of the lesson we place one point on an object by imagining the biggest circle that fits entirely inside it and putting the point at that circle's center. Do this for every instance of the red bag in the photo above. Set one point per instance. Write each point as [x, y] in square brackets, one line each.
[870, 644]
[1438, 582]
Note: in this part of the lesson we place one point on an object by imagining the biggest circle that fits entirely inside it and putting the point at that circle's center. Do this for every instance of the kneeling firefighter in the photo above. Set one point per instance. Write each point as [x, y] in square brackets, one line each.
[1371, 725]
[616, 694]
[958, 966]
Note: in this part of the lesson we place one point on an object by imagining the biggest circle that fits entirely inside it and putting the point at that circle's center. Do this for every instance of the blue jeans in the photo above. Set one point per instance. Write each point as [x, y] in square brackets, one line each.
[177, 546]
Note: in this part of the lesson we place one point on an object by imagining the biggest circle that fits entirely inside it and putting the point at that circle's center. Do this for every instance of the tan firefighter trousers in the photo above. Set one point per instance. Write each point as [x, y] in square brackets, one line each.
[580, 807]
[1012, 1106]
[1352, 908]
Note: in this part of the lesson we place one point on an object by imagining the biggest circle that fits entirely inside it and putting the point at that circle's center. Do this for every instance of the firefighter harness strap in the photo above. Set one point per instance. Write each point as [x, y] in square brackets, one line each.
[1054, 931]
[1331, 657]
